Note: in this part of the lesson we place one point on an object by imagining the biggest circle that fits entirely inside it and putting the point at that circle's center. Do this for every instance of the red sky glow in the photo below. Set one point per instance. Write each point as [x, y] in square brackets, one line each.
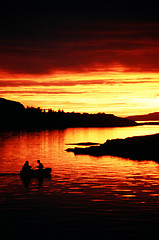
[96, 63]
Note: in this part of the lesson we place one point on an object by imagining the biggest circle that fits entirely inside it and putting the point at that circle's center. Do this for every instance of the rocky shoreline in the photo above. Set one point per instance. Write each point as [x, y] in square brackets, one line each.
[135, 148]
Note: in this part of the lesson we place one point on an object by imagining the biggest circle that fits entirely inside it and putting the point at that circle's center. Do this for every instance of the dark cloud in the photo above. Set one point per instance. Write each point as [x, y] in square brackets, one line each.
[39, 37]
[32, 19]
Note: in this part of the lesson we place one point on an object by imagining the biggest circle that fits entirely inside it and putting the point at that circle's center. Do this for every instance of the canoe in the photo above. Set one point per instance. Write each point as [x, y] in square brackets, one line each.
[36, 173]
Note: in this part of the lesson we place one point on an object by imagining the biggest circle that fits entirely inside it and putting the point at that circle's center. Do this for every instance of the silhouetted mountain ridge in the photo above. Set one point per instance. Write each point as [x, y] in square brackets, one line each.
[15, 115]
[146, 117]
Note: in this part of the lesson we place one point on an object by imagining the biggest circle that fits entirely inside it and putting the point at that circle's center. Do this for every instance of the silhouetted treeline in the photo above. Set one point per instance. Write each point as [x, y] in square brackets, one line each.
[15, 116]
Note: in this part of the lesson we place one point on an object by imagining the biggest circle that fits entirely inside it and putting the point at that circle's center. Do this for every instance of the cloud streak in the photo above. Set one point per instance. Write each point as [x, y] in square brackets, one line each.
[72, 83]
[30, 92]
[31, 83]
[66, 86]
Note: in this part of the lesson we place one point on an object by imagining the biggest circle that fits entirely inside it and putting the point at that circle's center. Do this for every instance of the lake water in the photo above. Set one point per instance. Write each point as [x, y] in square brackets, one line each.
[97, 196]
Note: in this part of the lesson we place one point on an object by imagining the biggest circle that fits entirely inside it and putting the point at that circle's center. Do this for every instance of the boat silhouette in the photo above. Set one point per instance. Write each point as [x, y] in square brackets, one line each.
[35, 173]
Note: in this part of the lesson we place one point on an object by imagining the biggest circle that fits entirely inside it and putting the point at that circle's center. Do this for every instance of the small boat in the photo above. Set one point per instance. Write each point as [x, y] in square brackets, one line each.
[36, 173]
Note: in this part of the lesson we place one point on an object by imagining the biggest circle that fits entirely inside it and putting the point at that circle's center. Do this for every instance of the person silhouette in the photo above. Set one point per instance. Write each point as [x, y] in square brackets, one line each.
[26, 167]
[40, 167]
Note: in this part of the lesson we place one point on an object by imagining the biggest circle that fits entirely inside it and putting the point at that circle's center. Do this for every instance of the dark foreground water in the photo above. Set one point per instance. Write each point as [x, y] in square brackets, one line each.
[86, 197]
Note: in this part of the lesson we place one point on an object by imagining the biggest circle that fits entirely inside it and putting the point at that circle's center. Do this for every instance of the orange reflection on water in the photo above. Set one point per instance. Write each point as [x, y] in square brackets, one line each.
[100, 135]
[104, 178]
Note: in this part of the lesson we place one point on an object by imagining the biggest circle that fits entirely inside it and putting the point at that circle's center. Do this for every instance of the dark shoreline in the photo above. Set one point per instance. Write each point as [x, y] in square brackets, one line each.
[135, 148]
[14, 116]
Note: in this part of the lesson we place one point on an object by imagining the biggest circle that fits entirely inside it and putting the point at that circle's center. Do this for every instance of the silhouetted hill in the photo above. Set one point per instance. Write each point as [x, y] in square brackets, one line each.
[10, 106]
[136, 148]
[147, 117]
[14, 115]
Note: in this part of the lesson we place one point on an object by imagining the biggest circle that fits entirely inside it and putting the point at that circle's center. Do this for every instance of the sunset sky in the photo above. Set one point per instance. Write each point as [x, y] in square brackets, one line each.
[82, 56]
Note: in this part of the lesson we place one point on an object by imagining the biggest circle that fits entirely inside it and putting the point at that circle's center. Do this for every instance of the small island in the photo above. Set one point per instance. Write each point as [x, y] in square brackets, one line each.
[135, 148]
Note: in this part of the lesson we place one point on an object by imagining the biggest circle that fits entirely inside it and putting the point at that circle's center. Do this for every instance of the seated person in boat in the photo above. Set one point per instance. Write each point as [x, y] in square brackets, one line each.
[40, 166]
[26, 167]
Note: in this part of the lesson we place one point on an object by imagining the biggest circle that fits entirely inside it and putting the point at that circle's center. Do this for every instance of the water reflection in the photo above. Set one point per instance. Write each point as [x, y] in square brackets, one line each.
[83, 179]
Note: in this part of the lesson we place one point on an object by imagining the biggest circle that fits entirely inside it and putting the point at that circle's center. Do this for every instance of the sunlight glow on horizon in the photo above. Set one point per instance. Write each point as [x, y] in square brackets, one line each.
[115, 91]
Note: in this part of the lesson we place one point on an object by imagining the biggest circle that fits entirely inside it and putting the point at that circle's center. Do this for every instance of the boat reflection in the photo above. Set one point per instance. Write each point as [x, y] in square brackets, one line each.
[27, 180]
